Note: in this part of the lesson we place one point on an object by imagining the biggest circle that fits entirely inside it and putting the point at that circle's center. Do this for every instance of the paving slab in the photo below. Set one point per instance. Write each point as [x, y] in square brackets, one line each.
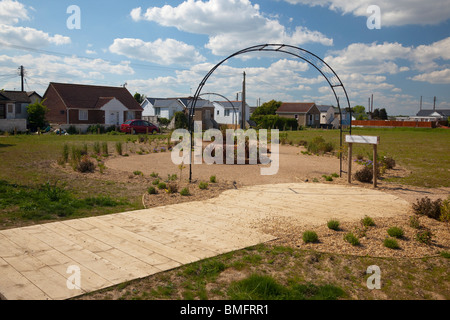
[36, 261]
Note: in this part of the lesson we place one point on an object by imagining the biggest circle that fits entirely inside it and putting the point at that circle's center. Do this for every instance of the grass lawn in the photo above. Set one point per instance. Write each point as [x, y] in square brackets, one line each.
[425, 152]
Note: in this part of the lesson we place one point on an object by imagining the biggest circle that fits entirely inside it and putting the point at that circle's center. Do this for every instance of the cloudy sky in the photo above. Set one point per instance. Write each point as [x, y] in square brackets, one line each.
[165, 48]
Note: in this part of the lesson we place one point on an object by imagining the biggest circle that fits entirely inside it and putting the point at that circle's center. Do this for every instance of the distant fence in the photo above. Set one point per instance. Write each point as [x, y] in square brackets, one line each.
[11, 125]
[393, 124]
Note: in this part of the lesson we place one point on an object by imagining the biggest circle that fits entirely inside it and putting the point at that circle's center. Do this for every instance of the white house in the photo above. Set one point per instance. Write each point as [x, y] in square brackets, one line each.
[13, 110]
[162, 108]
[230, 113]
[326, 114]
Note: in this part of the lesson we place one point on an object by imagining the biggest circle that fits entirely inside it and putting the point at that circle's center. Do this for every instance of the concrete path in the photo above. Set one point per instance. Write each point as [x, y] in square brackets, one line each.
[42, 261]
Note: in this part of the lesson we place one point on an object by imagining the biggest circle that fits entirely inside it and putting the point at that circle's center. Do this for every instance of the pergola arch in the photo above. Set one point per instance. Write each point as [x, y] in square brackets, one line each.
[324, 69]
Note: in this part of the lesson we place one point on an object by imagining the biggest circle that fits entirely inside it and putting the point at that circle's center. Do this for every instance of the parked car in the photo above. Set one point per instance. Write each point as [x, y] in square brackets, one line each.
[139, 126]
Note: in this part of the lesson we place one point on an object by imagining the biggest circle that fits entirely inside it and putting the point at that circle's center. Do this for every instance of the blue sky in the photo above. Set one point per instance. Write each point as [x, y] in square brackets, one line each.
[165, 48]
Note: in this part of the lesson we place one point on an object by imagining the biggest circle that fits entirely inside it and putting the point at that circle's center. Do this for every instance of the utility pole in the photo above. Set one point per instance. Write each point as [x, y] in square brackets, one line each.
[420, 103]
[371, 107]
[243, 104]
[22, 75]
[434, 103]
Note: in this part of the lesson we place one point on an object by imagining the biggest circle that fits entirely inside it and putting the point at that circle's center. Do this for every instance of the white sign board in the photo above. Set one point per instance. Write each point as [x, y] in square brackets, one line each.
[362, 139]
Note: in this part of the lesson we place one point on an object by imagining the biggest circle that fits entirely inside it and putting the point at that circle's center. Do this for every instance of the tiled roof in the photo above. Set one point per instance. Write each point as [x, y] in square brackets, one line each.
[426, 113]
[295, 107]
[16, 96]
[79, 96]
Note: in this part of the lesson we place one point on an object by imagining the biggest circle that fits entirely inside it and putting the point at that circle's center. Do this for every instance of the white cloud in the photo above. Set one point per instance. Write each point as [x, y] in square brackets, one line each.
[435, 77]
[393, 13]
[11, 12]
[230, 24]
[425, 56]
[165, 52]
[29, 37]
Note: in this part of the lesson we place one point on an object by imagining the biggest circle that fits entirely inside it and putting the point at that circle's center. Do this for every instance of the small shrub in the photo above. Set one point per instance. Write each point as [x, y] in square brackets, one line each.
[327, 178]
[318, 145]
[391, 243]
[351, 238]
[203, 185]
[388, 162]
[335, 175]
[310, 237]
[119, 148]
[154, 175]
[414, 222]
[162, 186]
[155, 182]
[185, 192]
[85, 165]
[105, 150]
[445, 254]
[151, 190]
[367, 222]
[395, 232]
[138, 173]
[96, 147]
[424, 236]
[445, 211]
[365, 174]
[172, 188]
[172, 177]
[333, 225]
[212, 179]
[65, 153]
[428, 207]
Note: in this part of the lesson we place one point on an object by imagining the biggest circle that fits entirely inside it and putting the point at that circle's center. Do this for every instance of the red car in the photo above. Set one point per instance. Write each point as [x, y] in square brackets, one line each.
[139, 126]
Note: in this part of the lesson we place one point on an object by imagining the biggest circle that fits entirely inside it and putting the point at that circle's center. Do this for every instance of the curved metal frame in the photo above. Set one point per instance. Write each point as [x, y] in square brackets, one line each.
[234, 109]
[325, 70]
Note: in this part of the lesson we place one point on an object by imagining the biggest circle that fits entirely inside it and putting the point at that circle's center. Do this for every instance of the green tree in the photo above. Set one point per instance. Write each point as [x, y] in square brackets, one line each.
[359, 112]
[267, 108]
[383, 114]
[139, 97]
[376, 114]
[36, 115]
[181, 121]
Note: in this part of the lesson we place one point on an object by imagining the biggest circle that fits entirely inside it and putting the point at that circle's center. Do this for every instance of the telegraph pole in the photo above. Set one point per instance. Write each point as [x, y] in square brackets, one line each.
[434, 103]
[243, 104]
[22, 75]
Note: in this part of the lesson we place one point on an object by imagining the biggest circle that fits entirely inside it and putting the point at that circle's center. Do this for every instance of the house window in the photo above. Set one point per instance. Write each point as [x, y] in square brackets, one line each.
[10, 108]
[296, 117]
[83, 115]
[157, 111]
[317, 117]
[18, 108]
[130, 115]
[218, 112]
[227, 113]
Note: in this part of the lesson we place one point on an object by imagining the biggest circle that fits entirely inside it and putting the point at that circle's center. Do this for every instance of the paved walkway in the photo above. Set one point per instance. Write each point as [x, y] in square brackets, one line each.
[36, 261]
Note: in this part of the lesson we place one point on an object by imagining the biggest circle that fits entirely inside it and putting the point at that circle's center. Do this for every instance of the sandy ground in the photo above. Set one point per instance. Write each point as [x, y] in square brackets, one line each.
[295, 167]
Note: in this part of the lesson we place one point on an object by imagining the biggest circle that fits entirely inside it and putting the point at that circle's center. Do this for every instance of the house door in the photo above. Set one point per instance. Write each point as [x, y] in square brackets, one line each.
[113, 118]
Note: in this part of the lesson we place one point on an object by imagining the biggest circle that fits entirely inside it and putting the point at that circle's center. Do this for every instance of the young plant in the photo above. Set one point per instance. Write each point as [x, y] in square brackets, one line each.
[310, 237]
[138, 173]
[395, 232]
[105, 148]
[162, 186]
[154, 175]
[367, 222]
[151, 190]
[333, 225]
[391, 243]
[203, 185]
[155, 182]
[119, 148]
[424, 236]
[428, 207]
[212, 179]
[351, 238]
[185, 192]
[414, 222]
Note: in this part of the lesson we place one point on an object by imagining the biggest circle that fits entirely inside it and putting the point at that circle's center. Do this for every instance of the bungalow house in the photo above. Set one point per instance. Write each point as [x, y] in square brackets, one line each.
[13, 110]
[161, 108]
[346, 120]
[34, 96]
[306, 113]
[326, 115]
[84, 105]
[432, 115]
[230, 113]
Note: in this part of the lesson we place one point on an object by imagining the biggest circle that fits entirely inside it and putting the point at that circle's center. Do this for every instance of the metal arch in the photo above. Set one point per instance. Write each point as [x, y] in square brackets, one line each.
[324, 69]
[232, 105]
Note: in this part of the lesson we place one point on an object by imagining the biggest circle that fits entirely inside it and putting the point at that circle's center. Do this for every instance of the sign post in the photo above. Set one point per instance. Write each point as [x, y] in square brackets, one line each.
[373, 140]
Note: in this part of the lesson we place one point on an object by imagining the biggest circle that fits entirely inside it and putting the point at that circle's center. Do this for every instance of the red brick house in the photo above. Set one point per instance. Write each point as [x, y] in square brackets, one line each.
[306, 113]
[75, 104]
